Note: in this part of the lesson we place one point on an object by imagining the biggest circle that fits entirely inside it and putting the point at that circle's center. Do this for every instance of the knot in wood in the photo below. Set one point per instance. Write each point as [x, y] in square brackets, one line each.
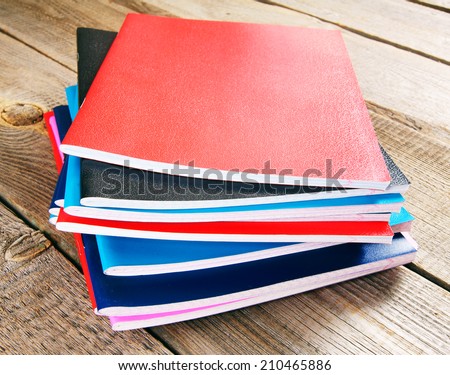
[21, 114]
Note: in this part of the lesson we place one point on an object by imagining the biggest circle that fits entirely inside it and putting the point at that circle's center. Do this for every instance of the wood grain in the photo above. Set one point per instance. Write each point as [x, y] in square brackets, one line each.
[400, 23]
[45, 308]
[30, 77]
[30, 85]
[443, 5]
[425, 160]
[393, 312]
[18, 242]
[50, 26]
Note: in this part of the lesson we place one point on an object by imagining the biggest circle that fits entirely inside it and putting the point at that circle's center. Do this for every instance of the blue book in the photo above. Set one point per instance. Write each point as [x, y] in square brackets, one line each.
[400, 217]
[123, 256]
[72, 100]
[239, 285]
[63, 122]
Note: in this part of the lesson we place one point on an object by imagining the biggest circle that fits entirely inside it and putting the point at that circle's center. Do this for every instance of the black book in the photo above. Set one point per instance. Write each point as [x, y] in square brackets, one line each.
[92, 47]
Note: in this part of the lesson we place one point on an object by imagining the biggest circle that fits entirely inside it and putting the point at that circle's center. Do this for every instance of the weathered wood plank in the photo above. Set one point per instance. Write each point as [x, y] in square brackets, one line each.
[425, 160]
[393, 312]
[400, 23]
[32, 84]
[45, 308]
[443, 5]
[29, 77]
[50, 27]
[18, 242]
[29, 22]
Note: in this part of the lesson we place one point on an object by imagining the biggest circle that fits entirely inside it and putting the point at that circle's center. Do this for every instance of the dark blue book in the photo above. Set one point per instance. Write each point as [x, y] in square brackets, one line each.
[63, 120]
[239, 285]
[60, 190]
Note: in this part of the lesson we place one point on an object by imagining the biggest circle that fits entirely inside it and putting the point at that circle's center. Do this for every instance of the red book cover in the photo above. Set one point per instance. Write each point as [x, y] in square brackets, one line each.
[319, 231]
[84, 267]
[257, 100]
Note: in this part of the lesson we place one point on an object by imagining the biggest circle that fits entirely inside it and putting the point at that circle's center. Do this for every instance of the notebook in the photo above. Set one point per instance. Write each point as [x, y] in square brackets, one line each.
[247, 231]
[310, 208]
[60, 190]
[249, 283]
[62, 121]
[265, 119]
[106, 185]
[72, 100]
[121, 256]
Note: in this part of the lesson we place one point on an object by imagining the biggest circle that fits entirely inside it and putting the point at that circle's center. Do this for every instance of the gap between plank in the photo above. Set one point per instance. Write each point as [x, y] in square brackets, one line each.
[358, 32]
[35, 49]
[428, 5]
[158, 337]
[427, 275]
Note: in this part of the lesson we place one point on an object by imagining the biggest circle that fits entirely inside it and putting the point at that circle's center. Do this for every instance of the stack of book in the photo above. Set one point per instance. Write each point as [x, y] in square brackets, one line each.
[207, 166]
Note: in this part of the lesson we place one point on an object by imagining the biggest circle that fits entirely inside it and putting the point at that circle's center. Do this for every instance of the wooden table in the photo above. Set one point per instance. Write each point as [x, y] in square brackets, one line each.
[401, 53]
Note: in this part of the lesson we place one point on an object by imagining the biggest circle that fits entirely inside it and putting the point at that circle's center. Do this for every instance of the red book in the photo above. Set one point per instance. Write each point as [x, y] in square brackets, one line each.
[85, 268]
[257, 100]
[318, 231]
